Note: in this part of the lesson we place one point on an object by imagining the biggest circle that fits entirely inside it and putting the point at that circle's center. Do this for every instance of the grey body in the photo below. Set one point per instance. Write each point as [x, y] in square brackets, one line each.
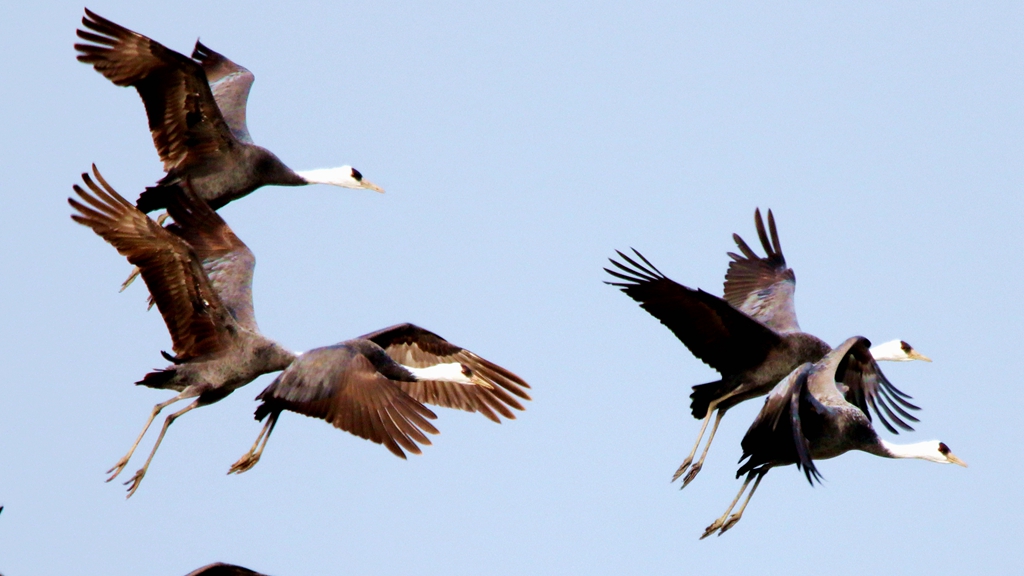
[196, 109]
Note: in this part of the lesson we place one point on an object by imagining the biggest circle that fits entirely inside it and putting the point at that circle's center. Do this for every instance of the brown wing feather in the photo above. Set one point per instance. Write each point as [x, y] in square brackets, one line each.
[194, 315]
[342, 387]
[762, 287]
[227, 261]
[413, 346]
[867, 388]
[721, 336]
[185, 122]
[230, 84]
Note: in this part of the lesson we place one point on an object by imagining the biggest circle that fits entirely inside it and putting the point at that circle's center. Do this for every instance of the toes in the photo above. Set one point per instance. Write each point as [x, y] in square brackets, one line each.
[712, 529]
[682, 468]
[690, 476]
[729, 523]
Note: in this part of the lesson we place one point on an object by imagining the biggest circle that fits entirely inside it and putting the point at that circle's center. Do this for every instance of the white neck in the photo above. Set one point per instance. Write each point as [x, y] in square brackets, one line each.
[340, 176]
[928, 450]
[450, 372]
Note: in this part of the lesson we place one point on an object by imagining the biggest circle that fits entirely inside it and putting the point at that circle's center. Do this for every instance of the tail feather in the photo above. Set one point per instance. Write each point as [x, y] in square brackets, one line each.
[702, 396]
[159, 378]
[157, 197]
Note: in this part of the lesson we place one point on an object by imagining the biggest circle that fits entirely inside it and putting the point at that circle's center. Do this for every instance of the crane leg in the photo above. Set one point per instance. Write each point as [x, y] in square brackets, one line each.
[117, 468]
[134, 481]
[686, 463]
[722, 519]
[736, 517]
[696, 467]
[250, 458]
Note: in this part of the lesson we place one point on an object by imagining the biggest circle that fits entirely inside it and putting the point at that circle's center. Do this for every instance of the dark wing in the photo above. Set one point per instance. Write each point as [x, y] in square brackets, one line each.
[340, 385]
[227, 261]
[413, 346]
[782, 430]
[762, 288]
[864, 385]
[193, 312]
[221, 569]
[723, 337]
[230, 84]
[186, 125]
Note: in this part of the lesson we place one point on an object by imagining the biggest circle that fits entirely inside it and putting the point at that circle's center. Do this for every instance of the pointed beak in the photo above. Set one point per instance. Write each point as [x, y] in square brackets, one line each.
[954, 460]
[915, 355]
[364, 183]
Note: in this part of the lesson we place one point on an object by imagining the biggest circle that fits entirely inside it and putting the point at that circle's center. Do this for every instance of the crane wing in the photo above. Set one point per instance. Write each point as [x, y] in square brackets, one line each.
[194, 314]
[227, 261]
[865, 386]
[720, 335]
[342, 386]
[413, 346]
[230, 84]
[763, 288]
[186, 124]
[780, 432]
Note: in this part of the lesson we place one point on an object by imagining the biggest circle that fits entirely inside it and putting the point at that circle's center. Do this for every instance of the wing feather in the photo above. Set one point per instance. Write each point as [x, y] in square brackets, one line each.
[226, 260]
[412, 346]
[342, 386]
[714, 331]
[763, 288]
[195, 317]
[185, 122]
[230, 84]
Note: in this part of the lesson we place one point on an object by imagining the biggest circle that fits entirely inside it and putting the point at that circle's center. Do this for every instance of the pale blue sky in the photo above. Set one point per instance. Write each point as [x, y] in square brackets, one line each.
[520, 145]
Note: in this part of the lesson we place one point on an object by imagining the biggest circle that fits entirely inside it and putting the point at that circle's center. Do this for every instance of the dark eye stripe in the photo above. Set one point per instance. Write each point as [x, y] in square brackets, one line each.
[906, 347]
[357, 175]
[943, 448]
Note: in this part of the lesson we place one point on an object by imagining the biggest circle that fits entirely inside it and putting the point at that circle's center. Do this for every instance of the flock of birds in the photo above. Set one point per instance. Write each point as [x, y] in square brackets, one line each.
[377, 386]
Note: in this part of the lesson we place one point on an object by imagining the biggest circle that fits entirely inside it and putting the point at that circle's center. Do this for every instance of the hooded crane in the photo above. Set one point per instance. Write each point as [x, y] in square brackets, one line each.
[808, 417]
[751, 337]
[196, 111]
[199, 275]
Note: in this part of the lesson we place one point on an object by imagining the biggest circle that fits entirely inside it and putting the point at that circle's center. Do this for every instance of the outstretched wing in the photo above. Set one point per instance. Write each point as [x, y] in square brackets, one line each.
[723, 337]
[413, 346]
[763, 288]
[864, 385]
[230, 84]
[227, 261]
[781, 431]
[342, 386]
[184, 119]
[191, 308]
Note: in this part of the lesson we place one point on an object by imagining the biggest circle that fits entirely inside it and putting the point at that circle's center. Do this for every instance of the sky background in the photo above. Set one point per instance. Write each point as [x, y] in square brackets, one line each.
[520, 145]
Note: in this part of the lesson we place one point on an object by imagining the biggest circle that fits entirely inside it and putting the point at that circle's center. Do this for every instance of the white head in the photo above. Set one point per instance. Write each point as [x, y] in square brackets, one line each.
[345, 176]
[930, 450]
[897, 351]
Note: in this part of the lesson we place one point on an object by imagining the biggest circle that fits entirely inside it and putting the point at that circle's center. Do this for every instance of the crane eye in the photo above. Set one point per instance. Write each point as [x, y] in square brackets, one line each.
[357, 175]
[466, 371]
[943, 448]
[906, 347]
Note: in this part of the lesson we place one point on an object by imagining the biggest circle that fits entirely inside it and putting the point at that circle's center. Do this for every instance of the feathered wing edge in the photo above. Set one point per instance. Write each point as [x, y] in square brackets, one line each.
[417, 347]
[188, 304]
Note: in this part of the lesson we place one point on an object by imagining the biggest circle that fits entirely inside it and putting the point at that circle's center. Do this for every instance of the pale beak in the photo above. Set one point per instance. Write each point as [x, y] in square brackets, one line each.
[478, 381]
[954, 460]
[364, 183]
[913, 354]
